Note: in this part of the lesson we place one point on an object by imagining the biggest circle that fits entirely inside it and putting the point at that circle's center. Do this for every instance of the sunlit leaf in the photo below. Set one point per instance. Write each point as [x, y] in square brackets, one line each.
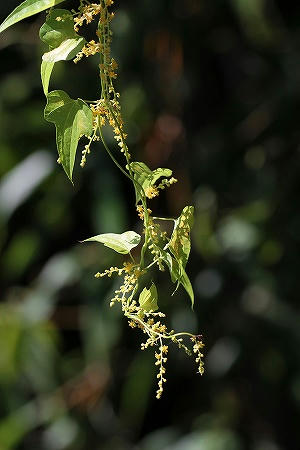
[180, 242]
[146, 177]
[148, 298]
[158, 173]
[180, 246]
[177, 273]
[46, 70]
[186, 283]
[72, 118]
[121, 243]
[27, 9]
[68, 49]
[64, 43]
[58, 27]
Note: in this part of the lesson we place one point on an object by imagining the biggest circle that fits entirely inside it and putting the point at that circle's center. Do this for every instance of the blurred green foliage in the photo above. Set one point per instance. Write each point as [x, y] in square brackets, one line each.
[211, 90]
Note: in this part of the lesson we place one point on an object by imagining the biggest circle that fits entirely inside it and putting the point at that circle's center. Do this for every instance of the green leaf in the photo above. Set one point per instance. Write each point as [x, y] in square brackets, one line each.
[148, 298]
[64, 43]
[27, 9]
[58, 27]
[141, 172]
[121, 243]
[146, 177]
[178, 273]
[68, 49]
[158, 173]
[180, 242]
[173, 267]
[186, 283]
[180, 246]
[72, 118]
[46, 70]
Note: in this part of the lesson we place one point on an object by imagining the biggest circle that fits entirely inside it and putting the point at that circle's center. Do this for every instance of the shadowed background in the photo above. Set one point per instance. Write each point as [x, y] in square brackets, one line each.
[210, 89]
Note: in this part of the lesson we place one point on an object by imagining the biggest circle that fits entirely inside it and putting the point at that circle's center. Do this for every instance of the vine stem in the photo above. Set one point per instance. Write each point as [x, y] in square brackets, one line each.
[129, 174]
[146, 214]
[111, 155]
[163, 218]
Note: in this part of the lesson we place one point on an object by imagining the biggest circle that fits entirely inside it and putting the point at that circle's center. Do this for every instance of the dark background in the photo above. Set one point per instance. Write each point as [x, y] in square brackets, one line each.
[210, 89]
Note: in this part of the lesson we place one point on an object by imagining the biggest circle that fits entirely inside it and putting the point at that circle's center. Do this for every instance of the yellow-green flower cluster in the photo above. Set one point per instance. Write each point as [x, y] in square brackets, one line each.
[153, 190]
[161, 359]
[166, 182]
[107, 111]
[149, 321]
[140, 211]
[89, 49]
[197, 348]
[86, 14]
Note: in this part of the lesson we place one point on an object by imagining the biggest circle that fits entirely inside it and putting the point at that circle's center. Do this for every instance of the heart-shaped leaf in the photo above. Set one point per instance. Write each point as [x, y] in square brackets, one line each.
[72, 118]
[64, 43]
[121, 243]
[58, 27]
[148, 298]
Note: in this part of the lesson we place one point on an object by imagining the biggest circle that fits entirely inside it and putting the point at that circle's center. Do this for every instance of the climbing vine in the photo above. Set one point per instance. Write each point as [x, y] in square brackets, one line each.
[77, 119]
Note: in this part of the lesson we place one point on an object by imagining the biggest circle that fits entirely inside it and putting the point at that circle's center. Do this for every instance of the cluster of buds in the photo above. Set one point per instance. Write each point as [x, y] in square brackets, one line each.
[87, 148]
[107, 110]
[89, 49]
[197, 348]
[109, 272]
[161, 359]
[100, 112]
[141, 213]
[166, 182]
[86, 15]
[151, 192]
